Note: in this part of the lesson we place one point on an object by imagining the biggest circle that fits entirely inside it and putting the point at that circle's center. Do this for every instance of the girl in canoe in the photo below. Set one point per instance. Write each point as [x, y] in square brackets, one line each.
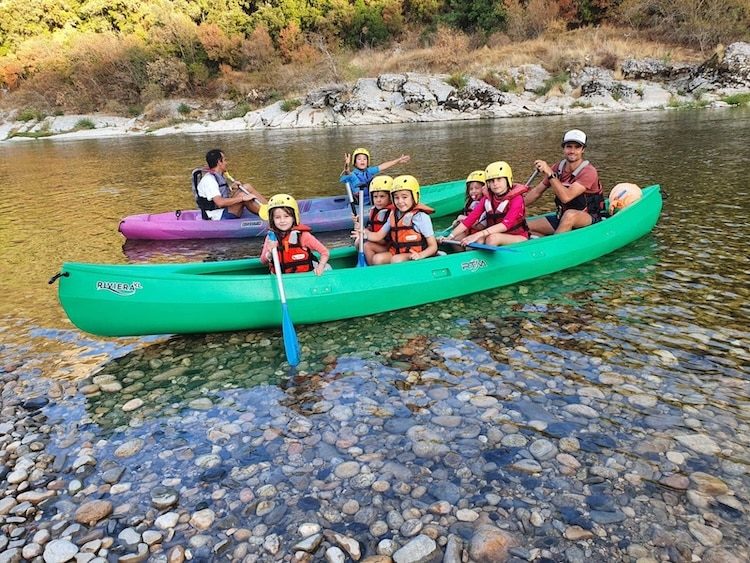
[503, 207]
[380, 193]
[475, 190]
[408, 233]
[362, 173]
[294, 241]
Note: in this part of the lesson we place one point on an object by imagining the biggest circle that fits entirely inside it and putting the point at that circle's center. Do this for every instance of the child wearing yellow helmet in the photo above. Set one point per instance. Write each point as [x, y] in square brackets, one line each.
[295, 242]
[408, 233]
[475, 190]
[503, 208]
[380, 194]
[360, 176]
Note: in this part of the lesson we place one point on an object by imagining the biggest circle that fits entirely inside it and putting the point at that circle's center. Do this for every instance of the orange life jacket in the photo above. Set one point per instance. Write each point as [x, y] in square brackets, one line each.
[293, 257]
[403, 236]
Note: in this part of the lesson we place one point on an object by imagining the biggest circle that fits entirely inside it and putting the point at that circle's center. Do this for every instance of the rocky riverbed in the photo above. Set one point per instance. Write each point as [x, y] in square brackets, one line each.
[636, 85]
[517, 435]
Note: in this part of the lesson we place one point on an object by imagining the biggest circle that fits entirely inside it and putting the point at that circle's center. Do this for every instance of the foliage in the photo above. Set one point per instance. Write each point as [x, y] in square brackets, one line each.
[551, 82]
[458, 81]
[737, 99]
[84, 123]
[90, 55]
[503, 82]
[527, 20]
[289, 105]
[695, 23]
[478, 15]
[30, 114]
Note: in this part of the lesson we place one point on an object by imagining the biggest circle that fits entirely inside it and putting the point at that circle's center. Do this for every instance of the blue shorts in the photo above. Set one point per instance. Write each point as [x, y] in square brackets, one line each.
[554, 220]
[225, 214]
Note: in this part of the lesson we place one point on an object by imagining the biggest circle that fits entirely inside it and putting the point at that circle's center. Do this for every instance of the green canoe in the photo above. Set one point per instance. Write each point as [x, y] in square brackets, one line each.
[128, 300]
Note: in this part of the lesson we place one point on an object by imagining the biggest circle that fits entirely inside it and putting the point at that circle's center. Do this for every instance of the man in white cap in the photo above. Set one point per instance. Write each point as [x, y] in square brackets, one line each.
[578, 192]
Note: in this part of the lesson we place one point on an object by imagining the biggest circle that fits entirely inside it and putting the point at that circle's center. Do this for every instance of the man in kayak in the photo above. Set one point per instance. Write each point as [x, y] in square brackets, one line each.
[217, 199]
[578, 192]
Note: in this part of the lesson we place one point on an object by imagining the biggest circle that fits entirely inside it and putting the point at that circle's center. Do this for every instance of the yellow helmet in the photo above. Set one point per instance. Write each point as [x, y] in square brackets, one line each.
[360, 150]
[406, 182]
[499, 169]
[279, 200]
[476, 176]
[381, 184]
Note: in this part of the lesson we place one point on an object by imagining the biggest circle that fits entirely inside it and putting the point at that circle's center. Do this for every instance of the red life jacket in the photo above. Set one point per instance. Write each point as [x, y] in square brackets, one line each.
[293, 257]
[403, 236]
[378, 218]
[590, 201]
[481, 223]
[497, 208]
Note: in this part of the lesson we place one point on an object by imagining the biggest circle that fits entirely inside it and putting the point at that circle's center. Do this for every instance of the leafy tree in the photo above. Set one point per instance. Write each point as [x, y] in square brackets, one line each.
[21, 19]
[471, 16]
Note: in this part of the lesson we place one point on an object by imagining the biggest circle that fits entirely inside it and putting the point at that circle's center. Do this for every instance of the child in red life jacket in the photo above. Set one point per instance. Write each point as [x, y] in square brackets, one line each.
[380, 194]
[503, 207]
[296, 243]
[475, 190]
[408, 232]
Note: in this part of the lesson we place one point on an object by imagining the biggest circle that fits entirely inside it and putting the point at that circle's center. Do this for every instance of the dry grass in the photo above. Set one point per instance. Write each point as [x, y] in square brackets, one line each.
[554, 50]
[449, 52]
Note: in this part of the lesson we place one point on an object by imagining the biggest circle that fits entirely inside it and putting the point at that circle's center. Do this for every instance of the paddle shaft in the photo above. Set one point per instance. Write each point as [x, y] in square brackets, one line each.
[350, 195]
[477, 245]
[229, 177]
[361, 224]
[288, 333]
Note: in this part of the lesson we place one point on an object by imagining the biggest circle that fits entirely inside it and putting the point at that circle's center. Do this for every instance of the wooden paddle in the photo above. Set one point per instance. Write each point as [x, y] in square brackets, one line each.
[289, 334]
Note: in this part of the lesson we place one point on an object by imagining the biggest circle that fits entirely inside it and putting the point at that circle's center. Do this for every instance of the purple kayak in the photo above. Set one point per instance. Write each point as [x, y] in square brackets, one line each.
[320, 214]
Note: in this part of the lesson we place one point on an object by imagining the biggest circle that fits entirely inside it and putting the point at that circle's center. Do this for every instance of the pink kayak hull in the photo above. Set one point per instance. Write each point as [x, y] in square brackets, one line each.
[322, 214]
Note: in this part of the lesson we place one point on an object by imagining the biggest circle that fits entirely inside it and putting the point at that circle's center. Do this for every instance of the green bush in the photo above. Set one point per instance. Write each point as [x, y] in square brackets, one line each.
[737, 99]
[458, 81]
[237, 111]
[481, 15]
[551, 82]
[289, 105]
[184, 109]
[84, 123]
[30, 114]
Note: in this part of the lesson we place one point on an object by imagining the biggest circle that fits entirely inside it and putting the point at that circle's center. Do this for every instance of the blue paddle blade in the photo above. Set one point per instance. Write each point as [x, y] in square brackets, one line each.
[361, 262]
[481, 246]
[291, 343]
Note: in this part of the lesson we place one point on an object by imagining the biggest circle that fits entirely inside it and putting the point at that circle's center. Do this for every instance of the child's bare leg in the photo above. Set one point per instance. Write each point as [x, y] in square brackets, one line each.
[501, 239]
[373, 248]
[400, 258]
[381, 258]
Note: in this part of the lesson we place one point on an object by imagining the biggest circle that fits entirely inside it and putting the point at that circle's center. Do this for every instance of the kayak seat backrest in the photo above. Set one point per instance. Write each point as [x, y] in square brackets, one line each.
[195, 178]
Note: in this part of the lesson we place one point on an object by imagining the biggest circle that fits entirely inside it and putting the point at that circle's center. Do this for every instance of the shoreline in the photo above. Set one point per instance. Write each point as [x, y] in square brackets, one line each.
[638, 85]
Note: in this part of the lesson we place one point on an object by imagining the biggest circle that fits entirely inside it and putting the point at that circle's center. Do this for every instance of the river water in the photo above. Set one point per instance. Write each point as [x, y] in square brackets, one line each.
[603, 412]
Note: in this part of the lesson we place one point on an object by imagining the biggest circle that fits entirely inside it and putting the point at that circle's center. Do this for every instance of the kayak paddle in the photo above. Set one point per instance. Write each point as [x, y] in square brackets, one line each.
[478, 245]
[291, 344]
[232, 180]
[361, 262]
[351, 198]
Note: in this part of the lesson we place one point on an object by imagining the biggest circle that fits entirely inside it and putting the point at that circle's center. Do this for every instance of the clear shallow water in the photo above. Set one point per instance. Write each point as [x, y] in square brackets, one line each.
[653, 339]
